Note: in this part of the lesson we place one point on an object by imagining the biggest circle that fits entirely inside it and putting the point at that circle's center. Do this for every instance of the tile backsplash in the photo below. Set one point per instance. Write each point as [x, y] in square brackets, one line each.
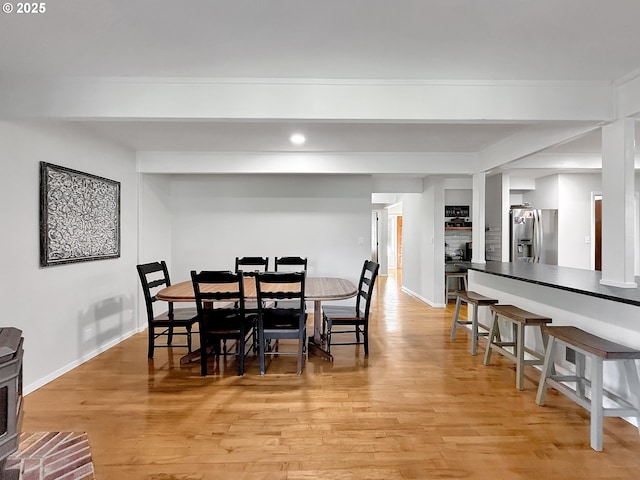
[456, 242]
[493, 242]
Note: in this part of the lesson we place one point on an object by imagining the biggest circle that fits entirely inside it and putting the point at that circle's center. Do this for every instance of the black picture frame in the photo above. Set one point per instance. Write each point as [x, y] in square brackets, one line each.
[79, 216]
[456, 210]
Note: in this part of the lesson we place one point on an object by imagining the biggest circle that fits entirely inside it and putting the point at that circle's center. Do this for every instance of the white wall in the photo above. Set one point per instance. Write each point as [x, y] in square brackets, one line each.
[459, 197]
[218, 217]
[155, 208]
[575, 218]
[68, 313]
[423, 243]
[413, 216]
[546, 194]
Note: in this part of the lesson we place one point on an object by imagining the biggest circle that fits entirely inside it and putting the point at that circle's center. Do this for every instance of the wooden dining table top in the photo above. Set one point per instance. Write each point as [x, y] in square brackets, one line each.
[316, 289]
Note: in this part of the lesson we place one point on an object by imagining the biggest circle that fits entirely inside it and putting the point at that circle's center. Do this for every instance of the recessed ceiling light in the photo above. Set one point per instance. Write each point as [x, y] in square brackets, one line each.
[298, 139]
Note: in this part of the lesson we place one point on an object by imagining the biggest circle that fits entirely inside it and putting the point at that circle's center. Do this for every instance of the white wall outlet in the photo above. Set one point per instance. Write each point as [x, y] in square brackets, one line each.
[87, 333]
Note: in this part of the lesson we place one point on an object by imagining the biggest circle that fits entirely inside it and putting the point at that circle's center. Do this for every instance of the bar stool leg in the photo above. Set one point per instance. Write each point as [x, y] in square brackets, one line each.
[547, 368]
[474, 329]
[446, 289]
[580, 366]
[597, 413]
[520, 356]
[493, 331]
[634, 384]
[455, 319]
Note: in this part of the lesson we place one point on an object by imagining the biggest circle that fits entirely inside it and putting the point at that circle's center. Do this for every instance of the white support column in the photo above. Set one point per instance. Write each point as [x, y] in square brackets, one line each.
[506, 205]
[618, 203]
[477, 234]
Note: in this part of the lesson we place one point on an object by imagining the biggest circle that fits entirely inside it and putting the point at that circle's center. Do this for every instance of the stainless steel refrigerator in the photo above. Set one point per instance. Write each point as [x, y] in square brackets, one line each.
[534, 235]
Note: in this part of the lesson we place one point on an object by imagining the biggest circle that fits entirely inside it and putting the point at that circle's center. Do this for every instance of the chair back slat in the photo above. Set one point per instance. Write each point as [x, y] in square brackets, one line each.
[290, 262]
[152, 276]
[258, 263]
[215, 286]
[280, 286]
[365, 287]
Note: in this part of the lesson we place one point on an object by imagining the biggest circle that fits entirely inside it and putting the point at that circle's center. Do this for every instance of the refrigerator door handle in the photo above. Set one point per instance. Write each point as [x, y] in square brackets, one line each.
[537, 236]
[541, 237]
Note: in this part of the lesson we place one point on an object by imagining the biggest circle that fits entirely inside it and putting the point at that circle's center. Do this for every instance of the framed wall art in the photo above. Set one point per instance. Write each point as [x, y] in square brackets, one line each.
[79, 216]
[456, 210]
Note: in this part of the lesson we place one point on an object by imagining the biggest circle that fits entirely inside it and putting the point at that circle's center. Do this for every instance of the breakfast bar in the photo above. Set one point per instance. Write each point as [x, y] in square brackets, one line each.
[572, 297]
[576, 280]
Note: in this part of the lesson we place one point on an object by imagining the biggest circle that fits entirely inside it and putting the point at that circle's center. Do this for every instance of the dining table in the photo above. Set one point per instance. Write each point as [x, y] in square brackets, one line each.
[317, 290]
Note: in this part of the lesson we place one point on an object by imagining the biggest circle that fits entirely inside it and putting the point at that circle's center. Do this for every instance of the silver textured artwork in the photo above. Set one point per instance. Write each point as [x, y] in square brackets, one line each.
[79, 216]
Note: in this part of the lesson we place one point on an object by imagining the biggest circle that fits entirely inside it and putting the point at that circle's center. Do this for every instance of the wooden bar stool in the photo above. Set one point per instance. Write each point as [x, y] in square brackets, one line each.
[597, 350]
[519, 319]
[458, 276]
[477, 300]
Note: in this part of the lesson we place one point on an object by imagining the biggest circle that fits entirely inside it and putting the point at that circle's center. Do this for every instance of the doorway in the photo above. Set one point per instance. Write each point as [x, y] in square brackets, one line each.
[394, 238]
[399, 242]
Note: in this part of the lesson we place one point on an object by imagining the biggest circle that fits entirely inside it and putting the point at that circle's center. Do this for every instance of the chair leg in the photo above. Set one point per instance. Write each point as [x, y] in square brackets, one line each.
[170, 336]
[261, 350]
[151, 342]
[203, 356]
[189, 339]
[300, 353]
[324, 326]
[241, 343]
[366, 340]
[456, 316]
[329, 326]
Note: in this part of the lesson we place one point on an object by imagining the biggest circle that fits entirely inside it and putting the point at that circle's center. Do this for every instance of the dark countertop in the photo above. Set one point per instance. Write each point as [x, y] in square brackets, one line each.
[586, 282]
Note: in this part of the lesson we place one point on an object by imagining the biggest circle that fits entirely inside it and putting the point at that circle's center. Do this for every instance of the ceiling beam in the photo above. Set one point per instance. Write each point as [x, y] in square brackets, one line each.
[628, 96]
[326, 100]
[530, 141]
[411, 164]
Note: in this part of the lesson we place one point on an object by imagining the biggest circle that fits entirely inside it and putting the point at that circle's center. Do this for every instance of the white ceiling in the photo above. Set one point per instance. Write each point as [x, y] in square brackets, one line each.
[456, 40]
[401, 39]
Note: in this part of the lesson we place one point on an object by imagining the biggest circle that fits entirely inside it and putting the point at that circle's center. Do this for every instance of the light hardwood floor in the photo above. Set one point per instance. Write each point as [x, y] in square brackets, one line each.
[420, 407]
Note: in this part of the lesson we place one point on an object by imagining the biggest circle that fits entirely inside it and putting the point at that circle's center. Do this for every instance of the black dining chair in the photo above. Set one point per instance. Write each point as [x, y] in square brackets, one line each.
[281, 314]
[356, 316]
[221, 315]
[290, 264]
[153, 277]
[251, 265]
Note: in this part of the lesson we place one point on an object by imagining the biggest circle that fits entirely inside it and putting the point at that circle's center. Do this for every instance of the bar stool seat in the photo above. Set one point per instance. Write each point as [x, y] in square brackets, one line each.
[587, 345]
[477, 300]
[459, 275]
[519, 319]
